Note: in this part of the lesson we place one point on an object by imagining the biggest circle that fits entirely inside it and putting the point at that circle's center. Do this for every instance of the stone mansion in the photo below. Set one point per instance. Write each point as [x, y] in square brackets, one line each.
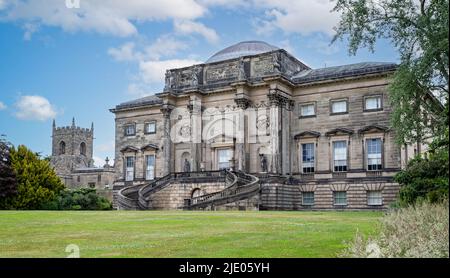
[255, 128]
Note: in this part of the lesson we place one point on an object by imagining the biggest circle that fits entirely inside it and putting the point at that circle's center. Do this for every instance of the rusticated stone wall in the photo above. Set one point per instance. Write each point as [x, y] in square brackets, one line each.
[275, 196]
[173, 195]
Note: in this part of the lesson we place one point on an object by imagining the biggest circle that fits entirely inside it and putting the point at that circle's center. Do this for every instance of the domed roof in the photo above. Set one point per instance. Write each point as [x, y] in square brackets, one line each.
[242, 49]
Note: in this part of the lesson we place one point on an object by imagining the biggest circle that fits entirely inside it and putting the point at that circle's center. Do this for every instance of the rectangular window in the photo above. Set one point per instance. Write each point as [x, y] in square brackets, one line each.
[340, 198]
[150, 168]
[307, 110]
[340, 156]
[224, 157]
[99, 178]
[374, 154]
[129, 172]
[308, 198]
[372, 103]
[150, 128]
[130, 130]
[308, 158]
[374, 198]
[338, 106]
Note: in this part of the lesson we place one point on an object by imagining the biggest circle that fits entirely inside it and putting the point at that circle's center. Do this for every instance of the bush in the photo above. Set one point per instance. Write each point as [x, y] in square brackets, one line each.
[37, 182]
[419, 231]
[425, 179]
[78, 199]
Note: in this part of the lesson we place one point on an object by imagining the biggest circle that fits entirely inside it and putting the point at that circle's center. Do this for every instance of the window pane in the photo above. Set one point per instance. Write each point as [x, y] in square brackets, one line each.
[339, 106]
[340, 198]
[373, 103]
[224, 158]
[374, 198]
[374, 154]
[150, 170]
[129, 130]
[129, 175]
[308, 198]
[307, 110]
[308, 158]
[340, 156]
[151, 128]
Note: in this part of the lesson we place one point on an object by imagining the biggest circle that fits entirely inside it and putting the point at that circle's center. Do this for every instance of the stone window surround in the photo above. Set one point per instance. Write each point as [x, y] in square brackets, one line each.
[124, 159]
[347, 139]
[380, 95]
[367, 136]
[305, 104]
[150, 122]
[221, 146]
[338, 100]
[300, 152]
[145, 154]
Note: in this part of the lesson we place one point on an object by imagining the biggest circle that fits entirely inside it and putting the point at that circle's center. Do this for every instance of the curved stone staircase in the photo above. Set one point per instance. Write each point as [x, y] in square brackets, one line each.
[239, 186]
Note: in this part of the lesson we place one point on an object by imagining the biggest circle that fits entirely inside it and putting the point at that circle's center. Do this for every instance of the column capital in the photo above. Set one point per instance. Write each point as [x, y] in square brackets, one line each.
[166, 109]
[242, 103]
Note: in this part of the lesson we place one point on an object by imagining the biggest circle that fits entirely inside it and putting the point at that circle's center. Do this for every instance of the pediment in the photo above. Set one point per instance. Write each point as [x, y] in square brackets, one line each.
[373, 129]
[339, 131]
[129, 149]
[307, 134]
[150, 147]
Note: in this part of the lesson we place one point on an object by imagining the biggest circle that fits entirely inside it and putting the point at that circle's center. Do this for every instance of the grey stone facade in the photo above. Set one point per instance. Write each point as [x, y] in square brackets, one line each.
[72, 159]
[242, 109]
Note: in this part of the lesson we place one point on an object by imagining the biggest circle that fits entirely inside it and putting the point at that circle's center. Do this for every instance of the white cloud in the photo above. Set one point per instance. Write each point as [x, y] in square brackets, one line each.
[2, 106]
[125, 52]
[106, 147]
[154, 71]
[165, 45]
[188, 27]
[34, 108]
[115, 17]
[303, 17]
[99, 162]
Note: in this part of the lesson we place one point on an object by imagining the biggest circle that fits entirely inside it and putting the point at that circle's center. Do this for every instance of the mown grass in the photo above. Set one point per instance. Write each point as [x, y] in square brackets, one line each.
[181, 234]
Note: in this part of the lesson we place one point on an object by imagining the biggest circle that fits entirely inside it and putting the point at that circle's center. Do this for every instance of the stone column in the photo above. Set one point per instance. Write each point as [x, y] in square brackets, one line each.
[241, 140]
[275, 131]
[195, 109]
[167, 142]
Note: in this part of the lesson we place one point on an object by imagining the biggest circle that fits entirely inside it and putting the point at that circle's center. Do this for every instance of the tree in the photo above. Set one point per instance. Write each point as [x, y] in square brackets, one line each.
[37, 182]
[419, 30]
[8, 182]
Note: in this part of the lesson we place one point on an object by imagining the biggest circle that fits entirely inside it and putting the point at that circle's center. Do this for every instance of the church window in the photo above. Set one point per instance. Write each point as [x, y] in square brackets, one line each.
[83, 148]
[62, 147]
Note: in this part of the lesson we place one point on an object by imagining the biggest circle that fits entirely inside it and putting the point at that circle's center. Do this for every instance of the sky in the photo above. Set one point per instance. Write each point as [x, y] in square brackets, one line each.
[61, 59]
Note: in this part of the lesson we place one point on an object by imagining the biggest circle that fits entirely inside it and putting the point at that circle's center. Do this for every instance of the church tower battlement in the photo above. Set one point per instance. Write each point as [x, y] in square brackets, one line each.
[72, 147]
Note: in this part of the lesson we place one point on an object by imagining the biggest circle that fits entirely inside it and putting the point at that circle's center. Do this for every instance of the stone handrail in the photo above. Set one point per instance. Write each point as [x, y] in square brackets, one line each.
[150, 188]
[127, 197]
[242, 187]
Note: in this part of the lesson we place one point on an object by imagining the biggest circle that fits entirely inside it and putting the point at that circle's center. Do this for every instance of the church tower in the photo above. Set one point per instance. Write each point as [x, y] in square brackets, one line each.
[72, 148]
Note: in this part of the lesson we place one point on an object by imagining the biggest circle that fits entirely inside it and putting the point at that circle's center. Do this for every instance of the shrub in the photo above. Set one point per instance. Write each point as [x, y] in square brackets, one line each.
[419, 231]
[37, 182]
[425, 179]
[78, 199]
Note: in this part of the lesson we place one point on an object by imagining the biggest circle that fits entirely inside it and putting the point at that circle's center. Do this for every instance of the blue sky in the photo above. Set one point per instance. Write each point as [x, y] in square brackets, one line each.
[60, 61]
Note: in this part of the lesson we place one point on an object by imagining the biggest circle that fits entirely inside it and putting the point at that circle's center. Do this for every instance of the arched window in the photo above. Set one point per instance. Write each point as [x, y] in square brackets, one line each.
[62, 147]
[83, 148]
[196, 192]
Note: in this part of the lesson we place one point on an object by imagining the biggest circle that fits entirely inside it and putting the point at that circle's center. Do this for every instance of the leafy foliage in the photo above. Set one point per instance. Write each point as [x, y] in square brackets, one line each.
[37, 182]
[425, 178]
[419, 231]
[78, 199]
[419, 30]
[8, 182]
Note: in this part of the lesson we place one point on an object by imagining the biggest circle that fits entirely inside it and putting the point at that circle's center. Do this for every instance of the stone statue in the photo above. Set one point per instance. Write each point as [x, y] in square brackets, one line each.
[241, 70]
[187, 166]
[263, 163]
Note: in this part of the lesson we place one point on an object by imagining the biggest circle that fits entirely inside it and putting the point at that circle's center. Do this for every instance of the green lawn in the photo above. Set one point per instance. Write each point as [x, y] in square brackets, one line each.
[181, 233]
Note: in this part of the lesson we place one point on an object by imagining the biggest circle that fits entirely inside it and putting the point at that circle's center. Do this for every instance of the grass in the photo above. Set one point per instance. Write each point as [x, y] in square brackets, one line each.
[181, 233]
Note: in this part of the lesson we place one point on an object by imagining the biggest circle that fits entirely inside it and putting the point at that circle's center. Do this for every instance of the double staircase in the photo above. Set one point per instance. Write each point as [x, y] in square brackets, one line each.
[239, 186]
